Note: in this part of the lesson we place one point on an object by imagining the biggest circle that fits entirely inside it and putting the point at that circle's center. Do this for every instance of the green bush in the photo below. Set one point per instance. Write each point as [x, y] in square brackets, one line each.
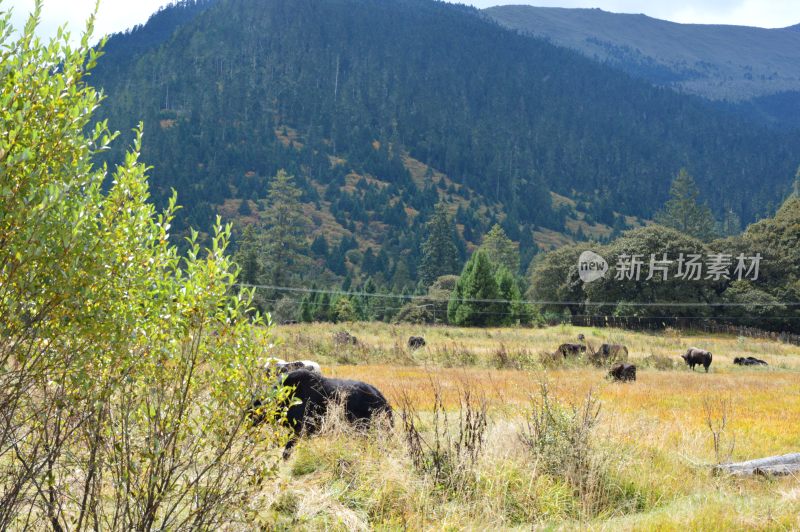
[125, 369]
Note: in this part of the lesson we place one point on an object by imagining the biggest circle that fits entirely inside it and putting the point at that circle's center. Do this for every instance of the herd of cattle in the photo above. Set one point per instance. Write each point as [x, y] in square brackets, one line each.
[616, 355]
[362, 402]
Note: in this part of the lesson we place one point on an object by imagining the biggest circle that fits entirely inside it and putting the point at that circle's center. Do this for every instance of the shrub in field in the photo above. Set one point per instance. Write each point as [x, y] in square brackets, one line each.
[561, 441]
[717, 411]
[455, 355]
[448, 454]
[551, 359]
[503, 358]
[125, 369]
[659, 362]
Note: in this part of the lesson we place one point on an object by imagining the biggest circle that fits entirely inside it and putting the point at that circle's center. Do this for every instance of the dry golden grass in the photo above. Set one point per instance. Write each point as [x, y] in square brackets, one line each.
[654, 428]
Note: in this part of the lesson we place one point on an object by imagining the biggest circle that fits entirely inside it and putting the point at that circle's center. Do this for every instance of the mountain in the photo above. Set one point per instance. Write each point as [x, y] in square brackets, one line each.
[381, 108]
[719, 62]
[126, 46]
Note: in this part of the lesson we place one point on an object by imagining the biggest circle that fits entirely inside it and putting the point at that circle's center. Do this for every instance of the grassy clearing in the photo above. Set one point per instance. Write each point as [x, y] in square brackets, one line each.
[647, 457]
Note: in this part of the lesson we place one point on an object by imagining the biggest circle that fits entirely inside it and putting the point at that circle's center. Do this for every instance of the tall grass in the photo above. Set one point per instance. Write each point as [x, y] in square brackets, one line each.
[541, 456]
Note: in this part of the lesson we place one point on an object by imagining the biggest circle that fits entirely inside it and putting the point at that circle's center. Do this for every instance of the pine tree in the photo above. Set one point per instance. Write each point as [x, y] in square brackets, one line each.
[247, 257]
[284, 246]
[244, 208]
[473, 302]
[501, 249]
[683, 212]
[367, 304]
[401, 277]
[731, 224]
[320, 246]
[512, 309]
[306, 310]
[439, 251]
[368, 262]
[527, 248]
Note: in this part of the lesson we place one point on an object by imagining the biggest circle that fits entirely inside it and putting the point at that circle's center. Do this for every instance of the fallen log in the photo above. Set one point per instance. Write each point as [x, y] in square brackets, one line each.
[786, 464]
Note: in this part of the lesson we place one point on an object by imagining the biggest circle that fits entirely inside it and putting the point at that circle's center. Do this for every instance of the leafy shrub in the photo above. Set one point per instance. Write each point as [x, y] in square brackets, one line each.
[561, 441]
[125, 369]
[659, 362]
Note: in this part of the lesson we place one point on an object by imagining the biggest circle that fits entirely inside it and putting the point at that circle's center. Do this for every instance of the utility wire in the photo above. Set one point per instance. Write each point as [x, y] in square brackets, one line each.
[524, 301]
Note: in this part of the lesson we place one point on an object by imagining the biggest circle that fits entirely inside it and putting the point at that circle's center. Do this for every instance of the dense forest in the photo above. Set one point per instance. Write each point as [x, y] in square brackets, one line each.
[381, 109]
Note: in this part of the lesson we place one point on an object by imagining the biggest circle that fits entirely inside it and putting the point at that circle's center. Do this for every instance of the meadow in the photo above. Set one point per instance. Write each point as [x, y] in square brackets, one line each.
[510, 438]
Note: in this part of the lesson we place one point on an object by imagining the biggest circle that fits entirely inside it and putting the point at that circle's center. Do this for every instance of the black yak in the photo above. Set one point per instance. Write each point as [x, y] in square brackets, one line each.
[623, 372]
[749, 361]
[416, 342]
[696, 357]
[361, 402]
[568, 350]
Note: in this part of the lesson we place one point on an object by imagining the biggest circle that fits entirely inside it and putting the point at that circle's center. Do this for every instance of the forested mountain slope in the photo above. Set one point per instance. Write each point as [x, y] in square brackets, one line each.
[740, 64]
[381, 108]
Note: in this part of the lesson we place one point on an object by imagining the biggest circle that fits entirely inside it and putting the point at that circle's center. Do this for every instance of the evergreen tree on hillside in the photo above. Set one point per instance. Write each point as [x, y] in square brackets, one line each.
[439, 251]
[320, 246]
[512, 310]
[247, 257]
[284, 243]
[501, 249]
[473, 302]
[683, 211]
[731, 224]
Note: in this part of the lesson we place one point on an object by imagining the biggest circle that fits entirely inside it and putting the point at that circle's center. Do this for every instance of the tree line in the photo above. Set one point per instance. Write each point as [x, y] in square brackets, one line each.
[492, 286]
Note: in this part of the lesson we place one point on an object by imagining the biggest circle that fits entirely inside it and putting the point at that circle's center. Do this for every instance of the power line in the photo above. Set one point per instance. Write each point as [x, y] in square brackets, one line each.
[664, 319]
[523, 301]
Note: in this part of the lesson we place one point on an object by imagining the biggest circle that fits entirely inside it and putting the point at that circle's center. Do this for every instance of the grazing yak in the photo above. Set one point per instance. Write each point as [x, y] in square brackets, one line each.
[361, 402]
[749, 361]
[623, 372]
[568, 350]
[696, 357]
[416, 342]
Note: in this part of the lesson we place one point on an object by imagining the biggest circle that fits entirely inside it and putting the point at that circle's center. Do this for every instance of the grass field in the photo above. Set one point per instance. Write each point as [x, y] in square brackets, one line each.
[645, 463]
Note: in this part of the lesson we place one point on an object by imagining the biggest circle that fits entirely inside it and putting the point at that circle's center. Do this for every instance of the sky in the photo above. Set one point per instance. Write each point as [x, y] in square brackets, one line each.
[118, 15]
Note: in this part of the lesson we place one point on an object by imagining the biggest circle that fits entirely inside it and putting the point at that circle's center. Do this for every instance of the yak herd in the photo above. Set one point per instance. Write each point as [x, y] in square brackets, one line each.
[362, 402]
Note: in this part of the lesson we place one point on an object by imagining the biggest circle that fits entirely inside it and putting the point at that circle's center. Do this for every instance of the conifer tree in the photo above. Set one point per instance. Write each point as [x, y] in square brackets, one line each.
[511, 309]
[731, 224]
[284, 244]
[474, 300]
[501, 249]
[247, 257]
[306, 310]
[683, 211]
[439, 251]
